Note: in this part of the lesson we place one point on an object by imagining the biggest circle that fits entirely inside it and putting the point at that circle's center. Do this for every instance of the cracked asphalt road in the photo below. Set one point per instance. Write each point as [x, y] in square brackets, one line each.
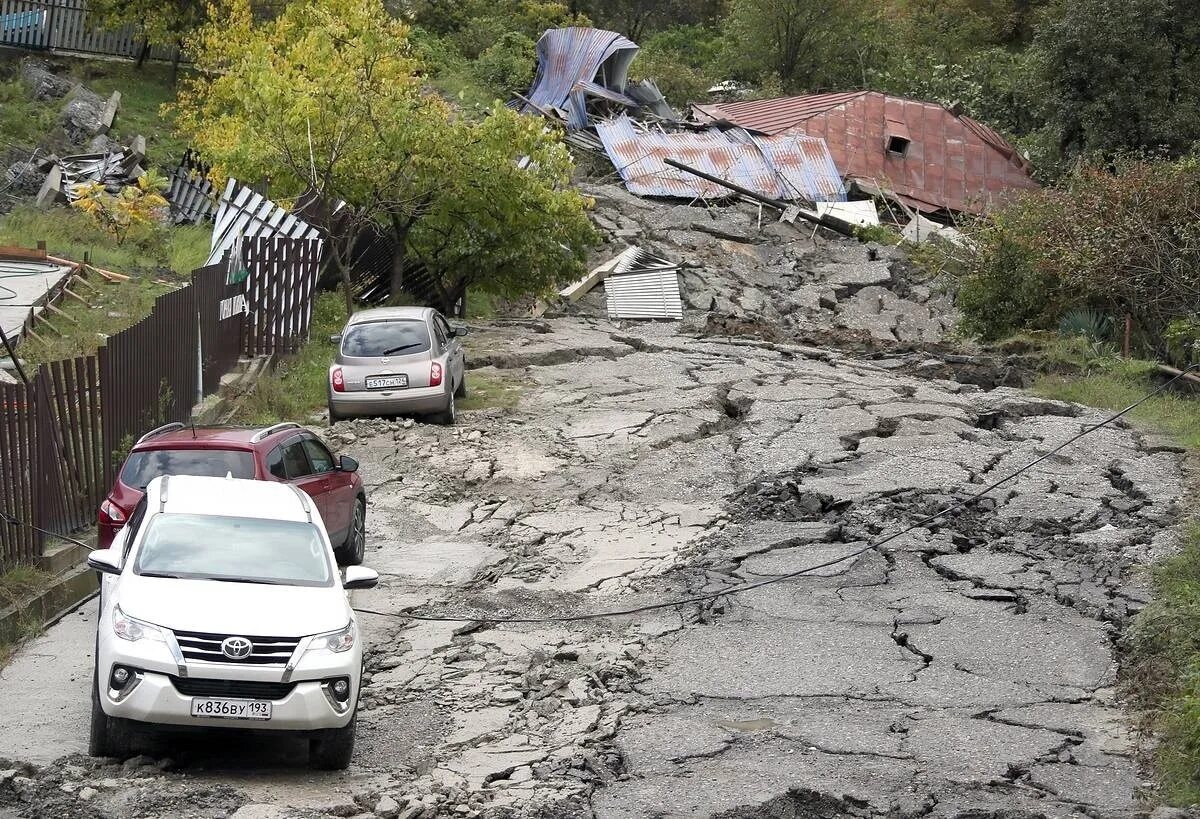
[968, 669]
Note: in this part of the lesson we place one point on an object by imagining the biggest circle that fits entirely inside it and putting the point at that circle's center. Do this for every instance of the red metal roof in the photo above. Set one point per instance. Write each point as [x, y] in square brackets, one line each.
[951, 163]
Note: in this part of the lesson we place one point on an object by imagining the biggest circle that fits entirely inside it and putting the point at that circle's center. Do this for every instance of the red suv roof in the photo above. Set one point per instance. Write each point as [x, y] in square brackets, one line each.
[178, 436]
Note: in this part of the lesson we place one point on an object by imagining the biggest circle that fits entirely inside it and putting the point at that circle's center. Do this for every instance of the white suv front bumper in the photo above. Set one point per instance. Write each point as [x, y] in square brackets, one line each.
[152, 695]
[154, 699]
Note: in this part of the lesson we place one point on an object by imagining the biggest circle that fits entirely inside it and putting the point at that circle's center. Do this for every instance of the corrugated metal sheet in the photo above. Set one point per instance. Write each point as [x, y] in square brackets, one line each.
[783, 167]
[643, 286]
[244, 213]
[568, 57]
[191, 193]
[774, 116]
[952, 162]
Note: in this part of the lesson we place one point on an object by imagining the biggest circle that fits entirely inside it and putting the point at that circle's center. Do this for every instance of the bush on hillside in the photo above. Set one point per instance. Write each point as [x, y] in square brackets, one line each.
[507, 65]
[1122, 238]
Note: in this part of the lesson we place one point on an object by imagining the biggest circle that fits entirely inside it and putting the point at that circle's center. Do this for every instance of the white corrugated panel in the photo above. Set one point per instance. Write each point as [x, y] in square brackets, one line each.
[242, 212]
[644, 294]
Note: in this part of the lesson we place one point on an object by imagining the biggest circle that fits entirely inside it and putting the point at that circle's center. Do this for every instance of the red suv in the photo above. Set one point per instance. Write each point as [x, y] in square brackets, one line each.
[283, 452]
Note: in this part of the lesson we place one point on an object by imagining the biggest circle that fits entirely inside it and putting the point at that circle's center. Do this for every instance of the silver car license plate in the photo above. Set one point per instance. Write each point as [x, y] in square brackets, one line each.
[386, 382]
[206, 707]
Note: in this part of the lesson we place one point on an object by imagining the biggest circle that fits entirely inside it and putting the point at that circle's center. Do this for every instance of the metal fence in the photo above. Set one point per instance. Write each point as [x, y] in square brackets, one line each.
[63, 25]
[221, 305]
[63, 437]
[149, 374]
[280, 291]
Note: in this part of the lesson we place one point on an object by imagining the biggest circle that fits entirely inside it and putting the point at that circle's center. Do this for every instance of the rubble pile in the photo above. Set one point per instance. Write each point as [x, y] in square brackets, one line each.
[771, 278]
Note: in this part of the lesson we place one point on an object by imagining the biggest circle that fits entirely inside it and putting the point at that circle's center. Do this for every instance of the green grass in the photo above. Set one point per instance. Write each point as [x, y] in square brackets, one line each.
[1165, 673]
[21, 582]
[1114, 384]
[458, 85]
[143, 90]
[18, 584]
[143, 93]
[110, 310]
[23, 122]
[70, 233]
[169, 254]
[491, 391]
[1162, 670]
[296, 389]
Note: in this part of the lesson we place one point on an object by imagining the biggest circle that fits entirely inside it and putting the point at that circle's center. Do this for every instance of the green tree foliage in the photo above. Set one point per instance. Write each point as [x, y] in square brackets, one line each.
[640, 19]
[1120, 74]
[1122, 238]
[160, 22]
[507, 65]
[809, 45]
[328, 96]
[473, 26]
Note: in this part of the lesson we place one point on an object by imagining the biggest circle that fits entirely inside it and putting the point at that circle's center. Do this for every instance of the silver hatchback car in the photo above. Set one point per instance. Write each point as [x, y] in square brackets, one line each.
[397, 361]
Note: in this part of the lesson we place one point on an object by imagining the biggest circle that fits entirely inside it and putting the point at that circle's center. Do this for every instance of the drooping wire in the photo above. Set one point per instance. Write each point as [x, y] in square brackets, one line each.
[745, 587]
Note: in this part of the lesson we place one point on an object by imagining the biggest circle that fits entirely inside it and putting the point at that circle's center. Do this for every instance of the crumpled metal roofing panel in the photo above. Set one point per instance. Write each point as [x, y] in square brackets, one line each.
[802, 163]
[569, 56]
[787, 167]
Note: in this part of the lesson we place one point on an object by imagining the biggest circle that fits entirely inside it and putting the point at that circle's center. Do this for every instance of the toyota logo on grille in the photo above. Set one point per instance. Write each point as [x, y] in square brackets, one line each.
[236, 648]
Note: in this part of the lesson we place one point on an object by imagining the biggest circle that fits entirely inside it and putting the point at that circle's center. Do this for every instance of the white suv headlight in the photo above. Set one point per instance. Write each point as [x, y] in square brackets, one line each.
[335, 641]
[132, 629]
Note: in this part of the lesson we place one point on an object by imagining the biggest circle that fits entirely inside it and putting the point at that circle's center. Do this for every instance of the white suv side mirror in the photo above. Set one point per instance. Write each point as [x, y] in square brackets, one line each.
[360, 577]
[107, 561]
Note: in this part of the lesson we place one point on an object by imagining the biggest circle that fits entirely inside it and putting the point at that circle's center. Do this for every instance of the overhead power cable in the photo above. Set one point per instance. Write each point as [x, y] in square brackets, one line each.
[745, 587]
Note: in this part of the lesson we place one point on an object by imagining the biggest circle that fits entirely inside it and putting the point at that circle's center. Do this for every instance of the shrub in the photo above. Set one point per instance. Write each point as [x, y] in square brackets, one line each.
[1120, 238]
[679, 82]
[137, 207]
[507, 65]
[1090, 324]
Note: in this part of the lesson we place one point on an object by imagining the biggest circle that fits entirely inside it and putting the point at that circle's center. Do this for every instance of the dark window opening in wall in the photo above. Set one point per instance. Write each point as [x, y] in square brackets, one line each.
[897, 145]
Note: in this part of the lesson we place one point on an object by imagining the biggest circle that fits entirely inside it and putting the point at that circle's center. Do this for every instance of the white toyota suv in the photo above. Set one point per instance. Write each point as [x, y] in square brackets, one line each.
[221, 606]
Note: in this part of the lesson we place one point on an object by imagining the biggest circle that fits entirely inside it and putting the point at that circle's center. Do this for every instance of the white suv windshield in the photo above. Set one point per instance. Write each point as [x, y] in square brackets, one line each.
[244, 550]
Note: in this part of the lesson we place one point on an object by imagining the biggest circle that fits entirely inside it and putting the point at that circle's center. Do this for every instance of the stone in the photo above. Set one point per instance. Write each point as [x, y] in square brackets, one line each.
[81, 116]
[387, 807]
[86, 794]
[136, 762]
[43, 83]
[24, 178]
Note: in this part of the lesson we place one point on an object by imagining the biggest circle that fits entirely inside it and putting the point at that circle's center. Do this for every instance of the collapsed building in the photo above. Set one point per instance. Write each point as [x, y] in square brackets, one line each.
[934, 159]
[927, 158]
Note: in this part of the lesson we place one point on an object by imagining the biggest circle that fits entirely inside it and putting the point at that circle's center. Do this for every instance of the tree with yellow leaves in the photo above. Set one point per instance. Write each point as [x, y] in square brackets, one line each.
[328, 97]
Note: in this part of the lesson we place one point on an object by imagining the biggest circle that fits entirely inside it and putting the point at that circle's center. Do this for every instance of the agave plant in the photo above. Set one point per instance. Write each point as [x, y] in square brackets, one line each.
[1086, 322]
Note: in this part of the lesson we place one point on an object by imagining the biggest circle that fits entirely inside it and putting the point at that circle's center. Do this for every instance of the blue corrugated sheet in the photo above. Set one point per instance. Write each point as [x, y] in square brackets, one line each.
[785, 167]
[574, 62]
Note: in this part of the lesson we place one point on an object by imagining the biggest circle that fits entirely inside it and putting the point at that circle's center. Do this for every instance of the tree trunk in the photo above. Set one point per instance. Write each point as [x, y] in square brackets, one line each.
[397, 269]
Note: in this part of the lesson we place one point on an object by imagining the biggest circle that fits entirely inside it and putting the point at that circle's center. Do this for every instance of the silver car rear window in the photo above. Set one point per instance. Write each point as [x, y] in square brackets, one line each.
[382, 338]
